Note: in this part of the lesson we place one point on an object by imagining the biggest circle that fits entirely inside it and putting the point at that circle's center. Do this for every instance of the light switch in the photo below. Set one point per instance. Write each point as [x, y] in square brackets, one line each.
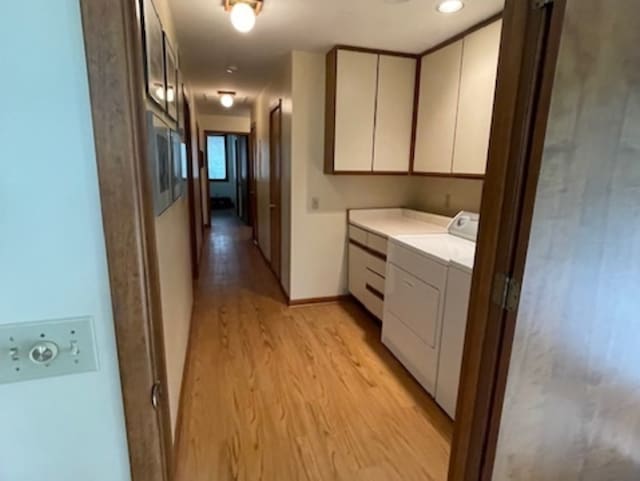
[33, 350]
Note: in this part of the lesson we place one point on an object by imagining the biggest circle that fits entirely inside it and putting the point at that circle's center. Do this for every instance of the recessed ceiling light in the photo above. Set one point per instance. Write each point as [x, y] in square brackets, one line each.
[450, 6]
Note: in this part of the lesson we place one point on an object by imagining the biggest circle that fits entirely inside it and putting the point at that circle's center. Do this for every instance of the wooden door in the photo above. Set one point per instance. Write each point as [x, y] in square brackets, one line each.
[437, 107]
[475, 105]
[572, 404]
[275, 197]
[253, 171]
[394, 114]
[355, 108]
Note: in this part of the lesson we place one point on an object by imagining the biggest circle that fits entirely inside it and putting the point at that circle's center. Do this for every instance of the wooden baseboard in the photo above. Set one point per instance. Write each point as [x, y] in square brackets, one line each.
[317, 300]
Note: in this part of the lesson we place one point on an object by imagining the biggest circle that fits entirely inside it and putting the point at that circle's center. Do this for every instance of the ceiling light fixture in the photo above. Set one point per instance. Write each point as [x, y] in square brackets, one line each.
[226, 98]
[243, 13]
[450, 6]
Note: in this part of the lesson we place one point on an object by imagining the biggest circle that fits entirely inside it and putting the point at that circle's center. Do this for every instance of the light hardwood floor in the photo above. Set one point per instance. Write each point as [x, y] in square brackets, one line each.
[301, 393]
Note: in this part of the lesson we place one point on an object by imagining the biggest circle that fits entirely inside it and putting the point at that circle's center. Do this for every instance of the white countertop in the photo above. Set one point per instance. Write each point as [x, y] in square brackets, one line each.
[395, 222]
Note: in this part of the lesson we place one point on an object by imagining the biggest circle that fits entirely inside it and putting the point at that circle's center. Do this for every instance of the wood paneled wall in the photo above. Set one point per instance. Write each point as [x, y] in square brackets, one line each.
[572, 407]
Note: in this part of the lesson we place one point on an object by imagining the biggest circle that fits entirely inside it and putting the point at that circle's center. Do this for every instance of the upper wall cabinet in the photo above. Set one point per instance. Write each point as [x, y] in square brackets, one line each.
[477, 92]
[455, 107]
[437, 109]
[369, 112]
[394, 114]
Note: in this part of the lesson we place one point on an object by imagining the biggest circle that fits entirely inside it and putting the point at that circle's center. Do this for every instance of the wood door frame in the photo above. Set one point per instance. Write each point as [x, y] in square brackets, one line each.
[224, 133]
[277, 194]
[193, 236]
[112, 38]
[252, 174]
[525, 76]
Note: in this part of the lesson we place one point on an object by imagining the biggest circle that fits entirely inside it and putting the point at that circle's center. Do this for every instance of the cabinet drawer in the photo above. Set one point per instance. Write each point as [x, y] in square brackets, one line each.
[376, 281]
[357, 234]
[377, 243]
[424, 268]
[414, 302]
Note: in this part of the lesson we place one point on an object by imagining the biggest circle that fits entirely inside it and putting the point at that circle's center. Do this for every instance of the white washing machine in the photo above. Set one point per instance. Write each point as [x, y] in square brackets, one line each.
[416, 295]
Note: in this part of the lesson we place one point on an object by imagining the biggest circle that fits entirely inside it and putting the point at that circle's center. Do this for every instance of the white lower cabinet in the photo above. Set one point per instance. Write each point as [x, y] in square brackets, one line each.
[454, 327]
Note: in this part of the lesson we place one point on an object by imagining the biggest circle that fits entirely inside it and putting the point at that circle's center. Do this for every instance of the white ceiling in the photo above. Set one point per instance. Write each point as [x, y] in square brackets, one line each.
[208, 43]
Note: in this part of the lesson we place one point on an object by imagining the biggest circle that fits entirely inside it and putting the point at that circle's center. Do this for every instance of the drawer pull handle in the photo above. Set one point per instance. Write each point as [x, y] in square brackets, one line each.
[408, 283]
[375, 292]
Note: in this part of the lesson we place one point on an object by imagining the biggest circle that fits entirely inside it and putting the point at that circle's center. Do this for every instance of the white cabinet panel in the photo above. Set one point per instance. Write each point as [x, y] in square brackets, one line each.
[356, 79]
[413, 301]
[475, 106]
[415, 355]
[437, 107]
[454, 327]
[394, 115]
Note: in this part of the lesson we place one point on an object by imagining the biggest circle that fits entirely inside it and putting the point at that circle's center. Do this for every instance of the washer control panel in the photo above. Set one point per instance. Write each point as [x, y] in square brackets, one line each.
[33, 350]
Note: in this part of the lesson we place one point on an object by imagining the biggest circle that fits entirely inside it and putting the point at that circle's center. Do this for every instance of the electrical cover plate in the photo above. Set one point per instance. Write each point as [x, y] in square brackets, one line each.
[34, 350]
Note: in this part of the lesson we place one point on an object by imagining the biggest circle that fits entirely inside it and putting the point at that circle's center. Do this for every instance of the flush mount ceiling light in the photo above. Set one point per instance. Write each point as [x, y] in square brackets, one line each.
[450, 6]
[226, 98]
[243, 13]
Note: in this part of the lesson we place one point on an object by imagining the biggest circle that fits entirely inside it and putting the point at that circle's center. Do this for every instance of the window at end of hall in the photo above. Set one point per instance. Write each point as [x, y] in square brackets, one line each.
[217, 157]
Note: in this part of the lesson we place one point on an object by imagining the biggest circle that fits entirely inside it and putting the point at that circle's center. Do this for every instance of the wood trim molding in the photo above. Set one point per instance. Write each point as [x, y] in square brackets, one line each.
[461, 35]
[112, 37]
[368, 172]
[449, 176]
[317, 300]
[392, 53]
[414, 120]
[330, 111]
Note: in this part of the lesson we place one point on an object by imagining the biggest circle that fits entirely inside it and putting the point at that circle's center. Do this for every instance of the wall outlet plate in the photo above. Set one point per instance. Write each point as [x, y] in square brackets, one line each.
[34, 350]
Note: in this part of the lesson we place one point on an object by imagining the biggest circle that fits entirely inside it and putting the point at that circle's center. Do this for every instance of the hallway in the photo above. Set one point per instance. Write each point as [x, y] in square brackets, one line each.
[306, 393]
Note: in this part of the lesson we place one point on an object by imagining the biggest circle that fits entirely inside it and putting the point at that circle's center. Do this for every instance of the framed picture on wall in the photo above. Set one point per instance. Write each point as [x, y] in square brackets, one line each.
[171, 72]
[160, 153]
[153, 41]
[176, 165]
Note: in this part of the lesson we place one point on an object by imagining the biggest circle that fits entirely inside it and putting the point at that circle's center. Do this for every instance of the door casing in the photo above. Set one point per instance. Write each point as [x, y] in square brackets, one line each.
[275, 187]
[113, 49]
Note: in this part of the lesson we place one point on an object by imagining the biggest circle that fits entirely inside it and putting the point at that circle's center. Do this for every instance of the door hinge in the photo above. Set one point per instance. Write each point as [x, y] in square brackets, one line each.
[506, 292]
[540, 4]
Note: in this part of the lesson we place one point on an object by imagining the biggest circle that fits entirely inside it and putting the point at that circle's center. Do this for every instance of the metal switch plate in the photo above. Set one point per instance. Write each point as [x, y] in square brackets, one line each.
[34, 350]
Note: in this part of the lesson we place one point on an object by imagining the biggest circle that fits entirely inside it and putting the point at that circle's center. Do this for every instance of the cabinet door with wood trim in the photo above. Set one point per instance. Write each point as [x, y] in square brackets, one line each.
[475, 105]
[437, 108]
[355, 104]
[394, 113]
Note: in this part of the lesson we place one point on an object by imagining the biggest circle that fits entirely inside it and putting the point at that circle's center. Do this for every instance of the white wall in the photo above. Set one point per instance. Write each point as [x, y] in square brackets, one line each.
[174, 263]
[176, 291]
[52, 249]
[225, 123]
[278, 88]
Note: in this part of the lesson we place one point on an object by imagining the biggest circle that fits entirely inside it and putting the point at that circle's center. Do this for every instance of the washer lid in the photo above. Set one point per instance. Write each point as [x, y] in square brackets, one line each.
[465, 225]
